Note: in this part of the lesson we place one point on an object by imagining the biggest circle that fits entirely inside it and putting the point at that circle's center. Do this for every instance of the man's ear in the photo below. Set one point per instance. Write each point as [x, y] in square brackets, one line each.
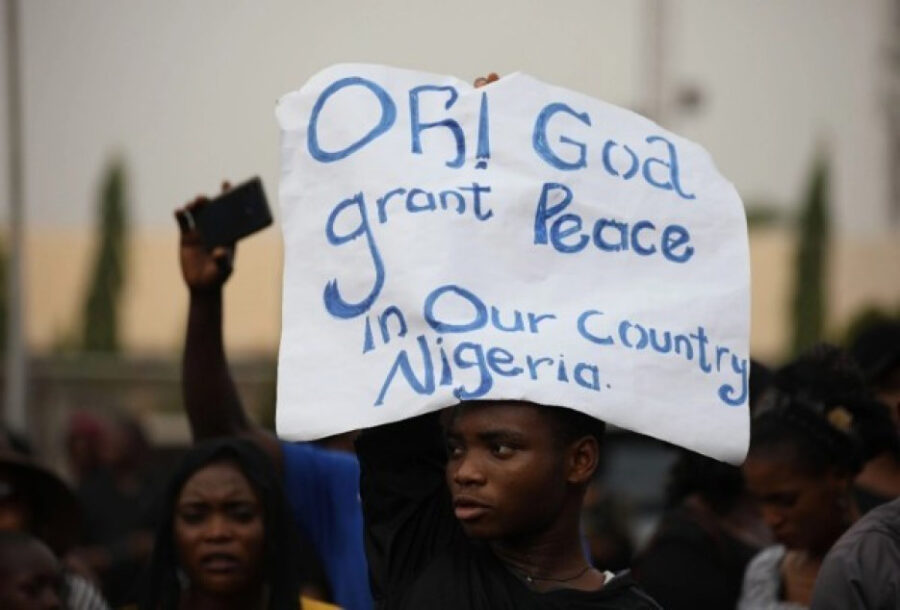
[582, 459]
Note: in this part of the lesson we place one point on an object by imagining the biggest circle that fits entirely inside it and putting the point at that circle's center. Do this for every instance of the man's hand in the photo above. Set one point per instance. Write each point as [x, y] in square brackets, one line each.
[481, 81]
[203, 270]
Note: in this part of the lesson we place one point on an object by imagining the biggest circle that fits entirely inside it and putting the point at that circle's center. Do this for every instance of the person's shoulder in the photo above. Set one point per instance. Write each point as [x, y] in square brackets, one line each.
[310, 453]
[767, 560]
[884, 519]
[871, 541]
[314, 604]
[310, 470]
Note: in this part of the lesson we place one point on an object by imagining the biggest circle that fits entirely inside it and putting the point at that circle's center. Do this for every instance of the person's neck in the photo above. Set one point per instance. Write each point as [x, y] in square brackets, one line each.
[799, 571]
[199, 600]
[805, 558]
[549, 559]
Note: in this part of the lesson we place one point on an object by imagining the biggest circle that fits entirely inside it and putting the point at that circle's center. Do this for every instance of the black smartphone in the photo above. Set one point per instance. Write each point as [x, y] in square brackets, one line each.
[233, 215]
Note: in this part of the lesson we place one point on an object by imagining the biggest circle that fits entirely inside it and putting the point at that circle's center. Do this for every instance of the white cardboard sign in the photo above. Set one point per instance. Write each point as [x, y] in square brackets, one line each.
[517, 241]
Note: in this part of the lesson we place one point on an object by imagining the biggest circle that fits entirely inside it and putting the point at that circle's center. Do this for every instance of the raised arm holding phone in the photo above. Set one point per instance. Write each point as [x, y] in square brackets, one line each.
[321, 485]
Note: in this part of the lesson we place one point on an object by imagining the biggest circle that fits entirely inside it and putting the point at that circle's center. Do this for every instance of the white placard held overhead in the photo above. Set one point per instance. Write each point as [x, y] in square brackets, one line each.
[517, 241]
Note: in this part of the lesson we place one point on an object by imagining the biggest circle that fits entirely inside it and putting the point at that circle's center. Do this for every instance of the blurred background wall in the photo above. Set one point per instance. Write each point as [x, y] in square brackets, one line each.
[176, 96]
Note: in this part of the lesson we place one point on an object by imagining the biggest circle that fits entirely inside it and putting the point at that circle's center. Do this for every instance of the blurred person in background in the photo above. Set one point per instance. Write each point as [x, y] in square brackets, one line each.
[800, 469]
[322, 485]
[605, 524]
[84, 444]
[709, 533]
[31, 577]
[119, 496]
[862, 570]
[877, 351]
[829, 375]
[36, 502]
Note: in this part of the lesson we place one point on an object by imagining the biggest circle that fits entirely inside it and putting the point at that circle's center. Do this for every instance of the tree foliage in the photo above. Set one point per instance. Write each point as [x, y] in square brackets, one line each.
[101, 304]
[809, 307]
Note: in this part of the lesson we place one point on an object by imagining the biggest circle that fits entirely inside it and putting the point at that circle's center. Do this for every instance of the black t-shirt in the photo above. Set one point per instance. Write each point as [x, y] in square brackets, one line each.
[691, 564]
[419, 557]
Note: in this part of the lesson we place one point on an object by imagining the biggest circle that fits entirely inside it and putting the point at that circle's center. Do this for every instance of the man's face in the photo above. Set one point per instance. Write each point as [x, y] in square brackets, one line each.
[505, 470]
[30, 579]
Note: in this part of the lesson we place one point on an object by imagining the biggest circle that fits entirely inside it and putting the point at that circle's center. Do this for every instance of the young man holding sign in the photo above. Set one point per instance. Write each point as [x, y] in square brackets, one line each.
[485, 514]
[482, 511]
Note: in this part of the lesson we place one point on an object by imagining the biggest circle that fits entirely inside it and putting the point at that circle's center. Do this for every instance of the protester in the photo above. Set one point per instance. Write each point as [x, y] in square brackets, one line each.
[226, 538]
[84, 444]
[709, 533]
[606, 526]
[119, 497]
[322, 486]
[829, 375]
[33, 499]
[862, 570]
[31, 576]
[803, 457]
[36, 502]
[485, 515]
[877, 350]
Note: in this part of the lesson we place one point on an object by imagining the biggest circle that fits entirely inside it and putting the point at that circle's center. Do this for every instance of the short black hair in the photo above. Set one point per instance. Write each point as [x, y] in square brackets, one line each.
[719, 484]
[824, 373]
[761, 379]
[568, 425]
[571, 425]
[877, 350]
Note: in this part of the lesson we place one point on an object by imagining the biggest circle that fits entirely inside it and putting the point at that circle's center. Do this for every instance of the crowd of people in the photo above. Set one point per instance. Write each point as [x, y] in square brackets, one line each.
[487, 505]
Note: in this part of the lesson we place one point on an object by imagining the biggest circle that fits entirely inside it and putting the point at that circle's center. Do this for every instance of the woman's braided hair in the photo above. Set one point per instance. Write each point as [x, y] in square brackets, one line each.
[821, 410]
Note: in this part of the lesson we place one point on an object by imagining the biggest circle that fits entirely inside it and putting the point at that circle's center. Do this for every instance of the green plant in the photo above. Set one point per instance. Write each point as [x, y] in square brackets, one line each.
[809, 307]
[100, 331]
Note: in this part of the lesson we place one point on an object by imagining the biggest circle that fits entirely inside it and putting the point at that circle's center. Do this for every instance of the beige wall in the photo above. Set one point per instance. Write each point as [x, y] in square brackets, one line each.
[155, 300]
[863, 272]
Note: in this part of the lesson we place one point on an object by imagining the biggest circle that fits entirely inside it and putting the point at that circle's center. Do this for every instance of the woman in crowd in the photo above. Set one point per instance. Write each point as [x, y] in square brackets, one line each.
[226, 539]
[802, 461]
